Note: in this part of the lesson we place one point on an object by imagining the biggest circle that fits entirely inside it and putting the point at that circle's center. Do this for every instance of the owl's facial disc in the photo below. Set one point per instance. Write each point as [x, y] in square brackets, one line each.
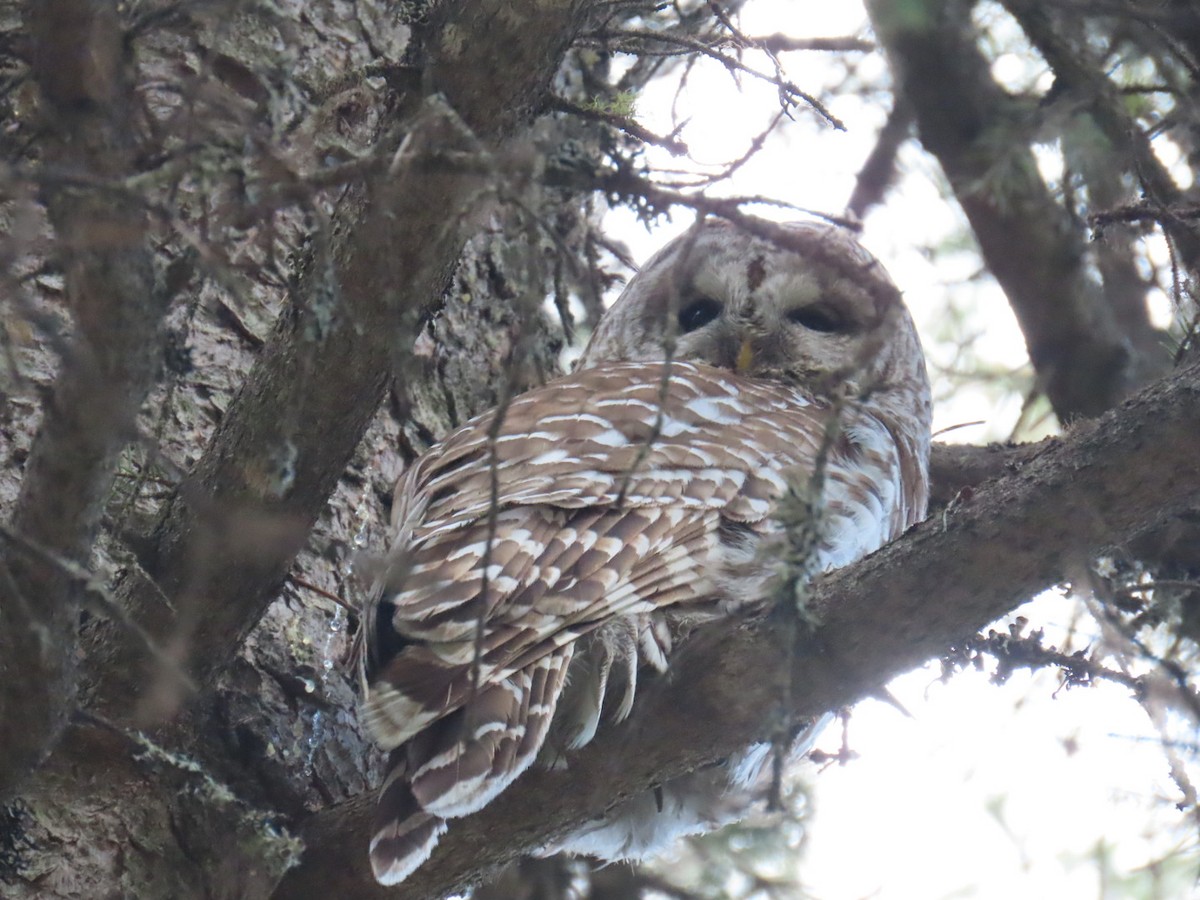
[794, 320]
[808, 306]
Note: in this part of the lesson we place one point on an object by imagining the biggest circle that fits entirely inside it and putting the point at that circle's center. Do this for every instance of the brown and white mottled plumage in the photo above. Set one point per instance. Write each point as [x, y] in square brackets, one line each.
[540, 560]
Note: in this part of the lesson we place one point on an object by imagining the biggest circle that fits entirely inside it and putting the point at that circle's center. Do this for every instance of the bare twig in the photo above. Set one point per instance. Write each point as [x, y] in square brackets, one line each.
[670, 142]
[642, 37]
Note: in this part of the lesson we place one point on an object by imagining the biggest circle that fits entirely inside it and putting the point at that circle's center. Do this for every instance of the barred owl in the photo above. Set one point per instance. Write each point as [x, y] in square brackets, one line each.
[546, 554]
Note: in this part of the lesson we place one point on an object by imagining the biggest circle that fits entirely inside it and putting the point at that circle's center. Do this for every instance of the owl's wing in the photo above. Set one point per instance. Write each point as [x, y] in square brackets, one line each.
[580, 507]
[598, 496]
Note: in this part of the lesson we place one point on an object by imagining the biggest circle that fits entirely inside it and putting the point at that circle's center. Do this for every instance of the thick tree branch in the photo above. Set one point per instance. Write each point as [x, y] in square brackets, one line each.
[88, 111]
[967, 121]
[955, 469]
[229, 536]
[1099, 487]
[1091, 155]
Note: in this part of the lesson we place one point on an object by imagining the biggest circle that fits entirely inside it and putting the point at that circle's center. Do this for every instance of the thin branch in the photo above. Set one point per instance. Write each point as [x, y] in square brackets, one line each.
[1143, 211]
[879, 170]
[783, 43]
[630, 126]
[787, 89]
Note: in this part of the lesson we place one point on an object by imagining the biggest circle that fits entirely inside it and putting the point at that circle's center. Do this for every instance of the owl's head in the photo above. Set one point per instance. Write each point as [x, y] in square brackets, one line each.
[807, 305]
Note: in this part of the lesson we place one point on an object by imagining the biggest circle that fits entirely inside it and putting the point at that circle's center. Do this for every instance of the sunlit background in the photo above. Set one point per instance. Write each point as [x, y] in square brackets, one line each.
[1026, 789]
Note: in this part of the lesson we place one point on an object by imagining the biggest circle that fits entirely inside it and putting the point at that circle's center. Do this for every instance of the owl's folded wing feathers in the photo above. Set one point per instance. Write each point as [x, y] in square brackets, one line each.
[634, 509]
[577, 520]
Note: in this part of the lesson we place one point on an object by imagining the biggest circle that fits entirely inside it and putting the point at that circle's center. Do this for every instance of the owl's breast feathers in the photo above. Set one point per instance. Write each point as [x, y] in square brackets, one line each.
[603, 496]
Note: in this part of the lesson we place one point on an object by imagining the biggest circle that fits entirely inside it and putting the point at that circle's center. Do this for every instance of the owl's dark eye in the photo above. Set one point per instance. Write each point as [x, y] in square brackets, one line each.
[698, 313]
[824, 319]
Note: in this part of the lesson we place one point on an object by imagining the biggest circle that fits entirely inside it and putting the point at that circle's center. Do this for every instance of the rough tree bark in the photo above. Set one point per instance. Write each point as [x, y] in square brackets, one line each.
[107, 370]
[226, 539]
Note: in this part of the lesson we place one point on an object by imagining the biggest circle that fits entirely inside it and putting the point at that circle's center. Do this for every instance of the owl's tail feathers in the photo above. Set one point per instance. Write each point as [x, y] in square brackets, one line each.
[414, 689]
[485, 746]
[458, 764]
[403, 835]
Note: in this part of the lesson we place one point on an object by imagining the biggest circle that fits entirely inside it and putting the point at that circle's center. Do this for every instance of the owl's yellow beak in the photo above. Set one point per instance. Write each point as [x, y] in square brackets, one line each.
[745, 357]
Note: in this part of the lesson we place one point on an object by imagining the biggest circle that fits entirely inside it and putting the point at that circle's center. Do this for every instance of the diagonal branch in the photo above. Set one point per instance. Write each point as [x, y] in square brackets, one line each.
[1083, 78]
[974, 130]
[229, 535]
[1100, 487]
